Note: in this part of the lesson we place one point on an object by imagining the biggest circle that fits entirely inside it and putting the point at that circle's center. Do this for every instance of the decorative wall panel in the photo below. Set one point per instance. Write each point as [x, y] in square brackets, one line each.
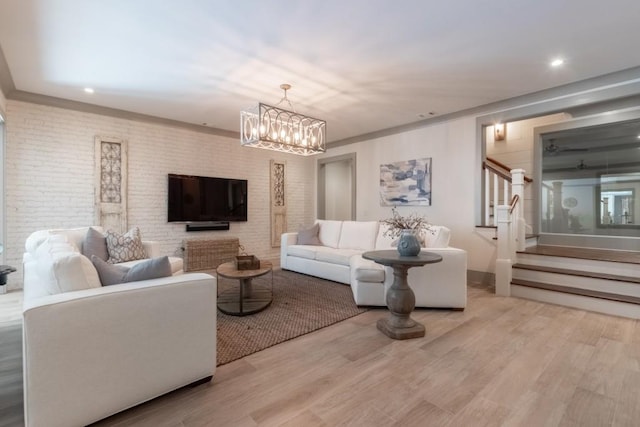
[278, 202]
[111, 183]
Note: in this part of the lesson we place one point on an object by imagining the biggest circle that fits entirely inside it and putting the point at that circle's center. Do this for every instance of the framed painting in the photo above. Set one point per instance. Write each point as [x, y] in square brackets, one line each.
[406, 183]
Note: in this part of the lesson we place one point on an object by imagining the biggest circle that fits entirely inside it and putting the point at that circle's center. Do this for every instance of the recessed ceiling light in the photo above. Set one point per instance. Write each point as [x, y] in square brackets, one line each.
[557, 62]
[88, 90]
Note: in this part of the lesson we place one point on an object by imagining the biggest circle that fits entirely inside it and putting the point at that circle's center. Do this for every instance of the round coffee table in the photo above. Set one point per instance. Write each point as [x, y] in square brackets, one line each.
[246, 298]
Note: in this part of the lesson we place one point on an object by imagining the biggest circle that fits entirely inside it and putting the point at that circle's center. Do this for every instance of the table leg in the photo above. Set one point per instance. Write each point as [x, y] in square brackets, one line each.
[247, 288]
[401, 301]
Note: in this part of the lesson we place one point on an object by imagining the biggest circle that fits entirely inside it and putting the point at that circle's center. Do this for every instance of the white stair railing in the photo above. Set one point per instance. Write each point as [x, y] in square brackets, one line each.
[494, 180]
[507, 245]
[508, 207]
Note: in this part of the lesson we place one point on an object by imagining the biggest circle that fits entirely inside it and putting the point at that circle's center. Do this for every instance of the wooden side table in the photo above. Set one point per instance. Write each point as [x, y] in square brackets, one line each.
[246, 298]
[400, 297]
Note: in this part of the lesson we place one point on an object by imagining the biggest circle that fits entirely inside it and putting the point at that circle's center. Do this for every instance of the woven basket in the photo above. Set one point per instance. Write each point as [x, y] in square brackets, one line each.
[207, 254]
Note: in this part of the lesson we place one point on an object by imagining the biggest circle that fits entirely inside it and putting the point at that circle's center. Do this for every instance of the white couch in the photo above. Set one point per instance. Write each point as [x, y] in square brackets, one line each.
[93, 351]
[339, 259]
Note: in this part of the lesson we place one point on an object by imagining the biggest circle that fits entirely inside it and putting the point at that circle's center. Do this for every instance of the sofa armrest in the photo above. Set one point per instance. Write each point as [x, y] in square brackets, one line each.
[286, 240]
[151, 248]
[91, 353]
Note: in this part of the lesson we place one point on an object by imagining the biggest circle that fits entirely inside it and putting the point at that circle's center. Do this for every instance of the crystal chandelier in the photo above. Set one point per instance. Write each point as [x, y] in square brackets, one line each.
[272, 128]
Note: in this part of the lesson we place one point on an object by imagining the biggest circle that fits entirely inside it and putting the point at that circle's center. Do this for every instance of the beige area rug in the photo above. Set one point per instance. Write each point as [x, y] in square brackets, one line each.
[301, 304]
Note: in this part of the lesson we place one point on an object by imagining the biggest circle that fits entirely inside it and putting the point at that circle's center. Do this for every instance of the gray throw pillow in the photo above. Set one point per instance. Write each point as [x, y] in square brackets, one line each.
[146, 270]
[309, 236]
[95, 244]
[109, 274]
[125, 247]
[153, 268]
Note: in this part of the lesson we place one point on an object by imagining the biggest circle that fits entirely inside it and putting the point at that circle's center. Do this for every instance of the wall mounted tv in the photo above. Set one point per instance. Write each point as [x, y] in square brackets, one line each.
[204, 199]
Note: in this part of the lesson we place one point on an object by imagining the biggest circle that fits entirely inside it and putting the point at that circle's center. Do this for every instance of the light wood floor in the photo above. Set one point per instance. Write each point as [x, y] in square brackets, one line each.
[501, 362]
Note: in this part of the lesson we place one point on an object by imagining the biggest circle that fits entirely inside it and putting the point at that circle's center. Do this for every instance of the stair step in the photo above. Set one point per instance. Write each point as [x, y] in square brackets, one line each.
[577, 291]
[631, 257]
[581, 273]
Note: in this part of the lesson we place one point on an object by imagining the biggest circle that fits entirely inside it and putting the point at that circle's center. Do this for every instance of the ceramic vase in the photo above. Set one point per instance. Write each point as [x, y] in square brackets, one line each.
[408, 244]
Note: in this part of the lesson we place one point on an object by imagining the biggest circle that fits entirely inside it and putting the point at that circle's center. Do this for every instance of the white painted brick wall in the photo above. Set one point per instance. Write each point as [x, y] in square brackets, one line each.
[50, 178]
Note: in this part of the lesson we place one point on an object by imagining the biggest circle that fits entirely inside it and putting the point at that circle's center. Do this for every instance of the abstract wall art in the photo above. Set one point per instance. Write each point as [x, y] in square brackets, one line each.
[406, 183]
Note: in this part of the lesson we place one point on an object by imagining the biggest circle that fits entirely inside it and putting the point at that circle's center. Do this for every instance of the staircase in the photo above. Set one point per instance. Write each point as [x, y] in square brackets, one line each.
[605, 281]
[600, 280]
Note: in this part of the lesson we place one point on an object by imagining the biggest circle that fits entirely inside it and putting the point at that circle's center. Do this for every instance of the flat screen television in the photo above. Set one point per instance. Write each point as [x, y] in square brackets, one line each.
[204, 199]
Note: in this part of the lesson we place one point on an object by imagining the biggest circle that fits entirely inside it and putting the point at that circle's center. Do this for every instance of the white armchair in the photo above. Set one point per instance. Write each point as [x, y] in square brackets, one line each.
[90, 353]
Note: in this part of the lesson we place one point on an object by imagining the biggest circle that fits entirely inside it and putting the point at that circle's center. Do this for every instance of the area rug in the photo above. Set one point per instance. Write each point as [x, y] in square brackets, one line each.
[301, 304]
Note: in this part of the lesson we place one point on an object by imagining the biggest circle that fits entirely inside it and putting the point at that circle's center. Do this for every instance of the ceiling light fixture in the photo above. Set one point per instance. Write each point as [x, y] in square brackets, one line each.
[88, 90]
[557, 62]
[273, 128]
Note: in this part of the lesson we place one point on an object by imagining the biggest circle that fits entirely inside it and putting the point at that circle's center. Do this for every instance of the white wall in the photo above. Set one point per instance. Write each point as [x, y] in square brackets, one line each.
[452, 148]
[50, 178]
[338, 192]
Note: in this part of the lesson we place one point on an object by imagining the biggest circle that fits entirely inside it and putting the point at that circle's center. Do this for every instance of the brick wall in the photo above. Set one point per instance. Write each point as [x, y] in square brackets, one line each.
[50, 178]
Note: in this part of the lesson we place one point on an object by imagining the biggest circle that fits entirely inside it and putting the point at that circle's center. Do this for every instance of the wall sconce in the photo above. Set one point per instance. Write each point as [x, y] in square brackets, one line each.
[499, 131]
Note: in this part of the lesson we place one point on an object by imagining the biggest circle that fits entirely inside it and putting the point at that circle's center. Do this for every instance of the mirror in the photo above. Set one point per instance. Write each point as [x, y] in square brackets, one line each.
[590, 177]
[618, 204]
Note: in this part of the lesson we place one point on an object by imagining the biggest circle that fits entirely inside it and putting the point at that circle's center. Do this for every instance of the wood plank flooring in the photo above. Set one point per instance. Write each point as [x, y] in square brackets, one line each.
[501, 362]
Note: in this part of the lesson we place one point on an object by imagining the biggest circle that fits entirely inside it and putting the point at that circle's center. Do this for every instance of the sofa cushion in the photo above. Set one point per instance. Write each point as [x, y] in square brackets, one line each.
[34, 240]
[95, 243]
[61, 268]
[358, 235]
[438, 237]
[309, 236]
[125, 247]
[74, 236]
[329, 233]
[308, 252]
[148, 269]
[365, 270]
[382, 241]
[335, 256]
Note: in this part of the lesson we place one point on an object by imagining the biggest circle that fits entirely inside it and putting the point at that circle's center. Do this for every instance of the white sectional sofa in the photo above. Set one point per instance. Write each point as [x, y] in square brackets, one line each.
[337, 256]
[90, 351]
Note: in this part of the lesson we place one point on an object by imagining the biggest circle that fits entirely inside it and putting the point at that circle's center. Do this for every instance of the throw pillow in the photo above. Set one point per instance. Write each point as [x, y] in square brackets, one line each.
[146, 270]
[153, 268]
[309, 236]
[66, 271]
[109, 274]
[95, 243]
[125, 247]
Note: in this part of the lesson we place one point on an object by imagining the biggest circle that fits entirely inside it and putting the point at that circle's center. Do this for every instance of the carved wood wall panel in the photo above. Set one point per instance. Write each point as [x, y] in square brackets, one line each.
[278, 202]
[111, 183]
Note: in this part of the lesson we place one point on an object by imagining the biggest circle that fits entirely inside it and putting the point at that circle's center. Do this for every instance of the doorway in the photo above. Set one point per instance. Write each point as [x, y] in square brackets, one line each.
[337, 188]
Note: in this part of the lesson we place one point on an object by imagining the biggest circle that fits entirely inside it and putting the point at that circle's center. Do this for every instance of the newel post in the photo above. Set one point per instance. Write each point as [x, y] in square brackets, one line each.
[503, 259]
[517, 188]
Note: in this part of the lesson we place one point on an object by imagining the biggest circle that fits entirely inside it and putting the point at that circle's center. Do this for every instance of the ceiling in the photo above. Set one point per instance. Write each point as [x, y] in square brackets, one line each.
[362, 65]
